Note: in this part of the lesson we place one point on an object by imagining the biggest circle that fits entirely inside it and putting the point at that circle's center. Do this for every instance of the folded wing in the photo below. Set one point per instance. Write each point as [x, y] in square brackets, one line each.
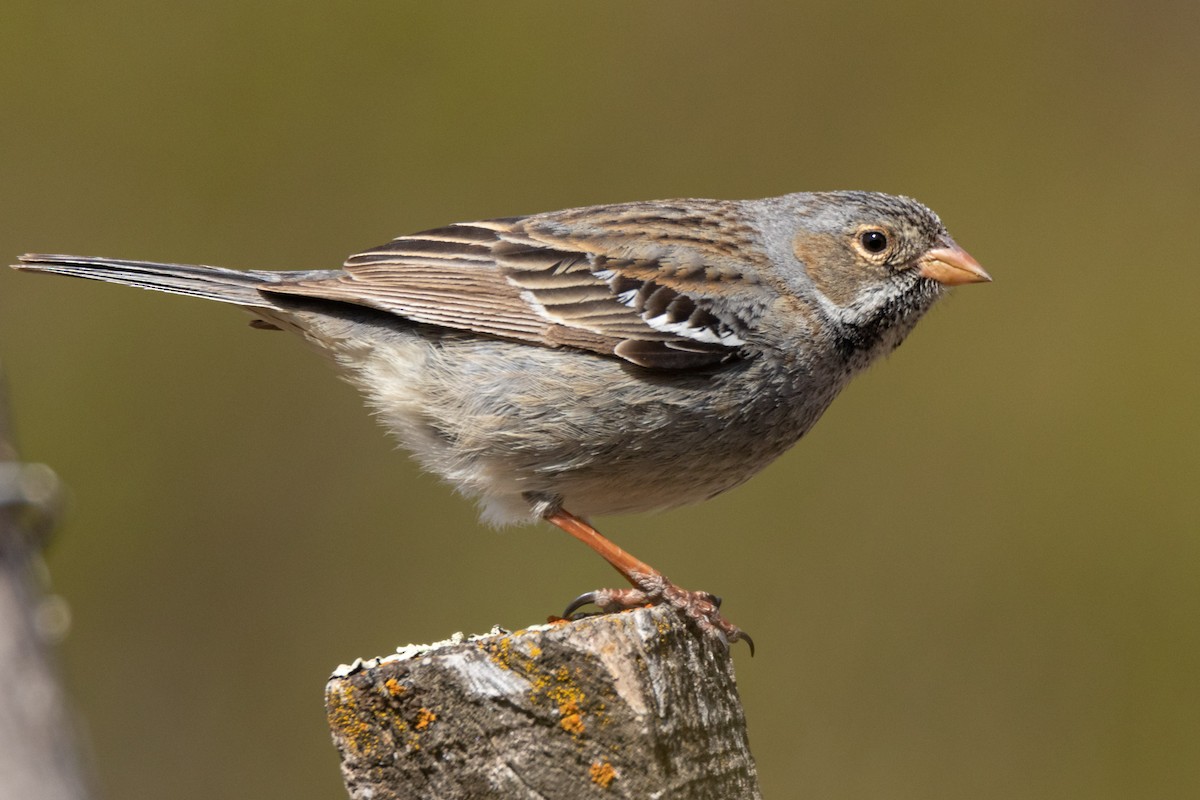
[644, 282]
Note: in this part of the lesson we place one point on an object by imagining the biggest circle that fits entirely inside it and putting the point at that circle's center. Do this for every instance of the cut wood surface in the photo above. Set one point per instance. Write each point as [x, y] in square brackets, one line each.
[630, 705]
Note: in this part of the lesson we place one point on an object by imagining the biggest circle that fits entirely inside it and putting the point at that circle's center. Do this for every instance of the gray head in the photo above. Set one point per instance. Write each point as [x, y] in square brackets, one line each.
[873, 263]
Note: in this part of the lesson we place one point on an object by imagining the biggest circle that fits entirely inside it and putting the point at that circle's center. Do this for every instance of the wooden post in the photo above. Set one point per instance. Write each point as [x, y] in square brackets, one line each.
[630, 705]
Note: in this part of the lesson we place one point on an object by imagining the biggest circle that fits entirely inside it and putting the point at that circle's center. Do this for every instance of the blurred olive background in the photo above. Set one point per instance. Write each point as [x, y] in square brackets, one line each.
[976, 578]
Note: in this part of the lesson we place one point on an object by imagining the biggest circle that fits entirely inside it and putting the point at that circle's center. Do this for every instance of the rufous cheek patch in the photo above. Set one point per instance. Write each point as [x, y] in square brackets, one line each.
[830, 267]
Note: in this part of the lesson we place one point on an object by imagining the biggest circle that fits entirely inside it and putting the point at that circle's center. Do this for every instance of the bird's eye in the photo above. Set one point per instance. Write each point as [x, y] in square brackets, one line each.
[873, 241]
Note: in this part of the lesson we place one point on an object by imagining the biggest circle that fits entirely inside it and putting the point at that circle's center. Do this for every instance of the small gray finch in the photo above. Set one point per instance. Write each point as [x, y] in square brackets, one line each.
[610, 359]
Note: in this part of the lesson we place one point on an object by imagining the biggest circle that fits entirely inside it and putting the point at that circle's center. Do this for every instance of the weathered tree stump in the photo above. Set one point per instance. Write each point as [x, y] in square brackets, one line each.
[631, 705]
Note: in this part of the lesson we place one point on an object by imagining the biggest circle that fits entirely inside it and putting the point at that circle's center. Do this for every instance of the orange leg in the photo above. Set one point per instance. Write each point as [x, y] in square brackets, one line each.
[650, 585]
[630, 567]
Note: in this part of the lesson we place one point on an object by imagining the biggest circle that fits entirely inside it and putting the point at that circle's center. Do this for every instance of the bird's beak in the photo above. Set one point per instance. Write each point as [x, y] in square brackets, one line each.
[951, 265]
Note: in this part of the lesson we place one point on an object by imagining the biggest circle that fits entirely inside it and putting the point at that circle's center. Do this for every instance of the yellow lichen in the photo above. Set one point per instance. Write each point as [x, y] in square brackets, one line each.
[602, 774]
[346, 719]
[558, 686]
[571, 718]
[573, 724]
[394, 688]
[501, 652]
[425, 718]
[505, 653]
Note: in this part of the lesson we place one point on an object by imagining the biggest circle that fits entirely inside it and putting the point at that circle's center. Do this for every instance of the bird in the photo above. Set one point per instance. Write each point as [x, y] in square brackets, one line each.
[609, 359]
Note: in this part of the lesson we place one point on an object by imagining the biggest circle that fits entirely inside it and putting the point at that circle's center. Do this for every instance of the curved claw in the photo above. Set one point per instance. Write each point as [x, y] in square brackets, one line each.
[587, 598]
[726, 632]
[609, 600]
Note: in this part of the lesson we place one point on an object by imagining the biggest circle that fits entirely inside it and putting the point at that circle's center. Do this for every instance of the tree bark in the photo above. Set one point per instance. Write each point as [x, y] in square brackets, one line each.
[630, 705]
[38, 756]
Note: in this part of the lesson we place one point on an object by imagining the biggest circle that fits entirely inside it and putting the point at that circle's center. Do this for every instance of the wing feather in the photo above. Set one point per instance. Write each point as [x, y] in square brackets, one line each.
[646, 282]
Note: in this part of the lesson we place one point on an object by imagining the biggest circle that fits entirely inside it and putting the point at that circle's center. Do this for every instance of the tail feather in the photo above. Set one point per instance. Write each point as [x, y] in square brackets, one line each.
[211, 283]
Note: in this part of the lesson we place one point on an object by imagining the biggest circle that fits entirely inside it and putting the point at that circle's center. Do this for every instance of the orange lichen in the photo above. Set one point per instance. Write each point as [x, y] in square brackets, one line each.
[571, 718]
[425, 718]
[394, 688]
[602, 774]
[559, 686]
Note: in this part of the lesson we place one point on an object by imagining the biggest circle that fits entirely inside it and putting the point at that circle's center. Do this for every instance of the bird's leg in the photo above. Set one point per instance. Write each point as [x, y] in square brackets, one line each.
[649, 585]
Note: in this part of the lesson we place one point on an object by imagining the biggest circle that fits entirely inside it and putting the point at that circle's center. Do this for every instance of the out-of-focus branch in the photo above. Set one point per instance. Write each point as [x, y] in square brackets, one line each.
[38, 755]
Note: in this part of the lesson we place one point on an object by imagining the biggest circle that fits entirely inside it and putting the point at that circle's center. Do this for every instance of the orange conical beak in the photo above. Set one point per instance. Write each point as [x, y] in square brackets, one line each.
[951, 266]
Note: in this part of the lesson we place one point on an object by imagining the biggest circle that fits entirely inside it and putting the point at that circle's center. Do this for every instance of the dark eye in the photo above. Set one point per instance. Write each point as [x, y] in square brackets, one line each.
[873, 241]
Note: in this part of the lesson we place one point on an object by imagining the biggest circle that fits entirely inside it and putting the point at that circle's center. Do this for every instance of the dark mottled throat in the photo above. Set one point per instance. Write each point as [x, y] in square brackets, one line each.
[886, 326]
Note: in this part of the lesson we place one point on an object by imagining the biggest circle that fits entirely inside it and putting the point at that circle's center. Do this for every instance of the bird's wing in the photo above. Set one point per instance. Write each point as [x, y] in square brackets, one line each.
[651, 283]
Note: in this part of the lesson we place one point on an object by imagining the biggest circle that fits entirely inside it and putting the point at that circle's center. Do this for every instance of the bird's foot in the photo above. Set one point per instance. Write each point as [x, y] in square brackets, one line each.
[701, 609]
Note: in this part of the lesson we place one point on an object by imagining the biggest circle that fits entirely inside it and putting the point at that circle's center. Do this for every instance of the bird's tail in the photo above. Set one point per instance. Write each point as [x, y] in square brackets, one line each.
[212, 283]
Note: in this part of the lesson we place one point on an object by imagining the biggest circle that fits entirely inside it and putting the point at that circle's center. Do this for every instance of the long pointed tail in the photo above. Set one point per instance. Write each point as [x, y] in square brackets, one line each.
[212, 283]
